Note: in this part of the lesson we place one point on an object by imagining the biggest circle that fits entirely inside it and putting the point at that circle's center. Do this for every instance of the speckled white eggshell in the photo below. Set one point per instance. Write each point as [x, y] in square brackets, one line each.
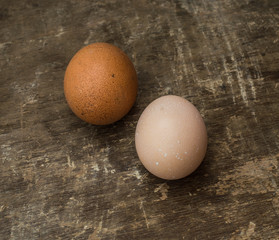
[171, 138]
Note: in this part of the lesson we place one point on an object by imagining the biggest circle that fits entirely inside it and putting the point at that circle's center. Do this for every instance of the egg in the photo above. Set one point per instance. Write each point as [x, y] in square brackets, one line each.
[100, 84]
[171, 137]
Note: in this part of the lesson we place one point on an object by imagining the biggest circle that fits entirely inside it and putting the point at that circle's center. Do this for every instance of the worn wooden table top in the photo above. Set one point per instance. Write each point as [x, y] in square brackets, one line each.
[61, 178]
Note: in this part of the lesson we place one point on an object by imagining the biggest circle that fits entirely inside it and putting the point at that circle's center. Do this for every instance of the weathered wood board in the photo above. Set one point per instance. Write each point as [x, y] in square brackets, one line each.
[61, 178]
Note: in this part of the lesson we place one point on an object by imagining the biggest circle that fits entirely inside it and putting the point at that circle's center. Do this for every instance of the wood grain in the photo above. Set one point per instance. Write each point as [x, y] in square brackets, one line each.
[61, 178]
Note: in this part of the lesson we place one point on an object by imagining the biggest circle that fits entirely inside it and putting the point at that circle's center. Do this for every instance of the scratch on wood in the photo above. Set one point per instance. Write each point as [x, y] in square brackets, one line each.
[180, 59]
[87, 146]
[87, 40]
[3, 45]
[229, 78]
[249, 231]
[104, 154]
[6, 152]
[60, 32]
[163, 189]
[255, 116]
[70, 163]
[255, 174]
[21, 116]
[235, 65]
[135, 173]
[180, 38]
[144, 214]
[253, 89]
[2, 208]
[236, 69]
[94, 235]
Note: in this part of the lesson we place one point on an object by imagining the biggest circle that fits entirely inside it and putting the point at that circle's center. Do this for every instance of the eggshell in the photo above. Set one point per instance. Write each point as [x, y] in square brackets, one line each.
[100, 84]
[171, 138]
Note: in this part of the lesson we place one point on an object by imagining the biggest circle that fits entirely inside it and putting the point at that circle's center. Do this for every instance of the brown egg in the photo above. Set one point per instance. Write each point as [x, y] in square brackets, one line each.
[100, 84]
[171, 138]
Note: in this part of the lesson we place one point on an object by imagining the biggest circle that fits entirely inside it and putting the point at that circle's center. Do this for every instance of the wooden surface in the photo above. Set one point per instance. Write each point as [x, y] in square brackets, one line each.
[61, 178]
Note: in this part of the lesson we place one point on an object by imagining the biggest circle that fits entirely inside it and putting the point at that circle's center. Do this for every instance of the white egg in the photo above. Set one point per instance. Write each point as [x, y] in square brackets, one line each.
[171, 138]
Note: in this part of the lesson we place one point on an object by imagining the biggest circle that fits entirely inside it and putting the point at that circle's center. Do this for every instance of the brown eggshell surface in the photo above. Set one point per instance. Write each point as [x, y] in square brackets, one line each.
[171, 138]
[100, 84]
